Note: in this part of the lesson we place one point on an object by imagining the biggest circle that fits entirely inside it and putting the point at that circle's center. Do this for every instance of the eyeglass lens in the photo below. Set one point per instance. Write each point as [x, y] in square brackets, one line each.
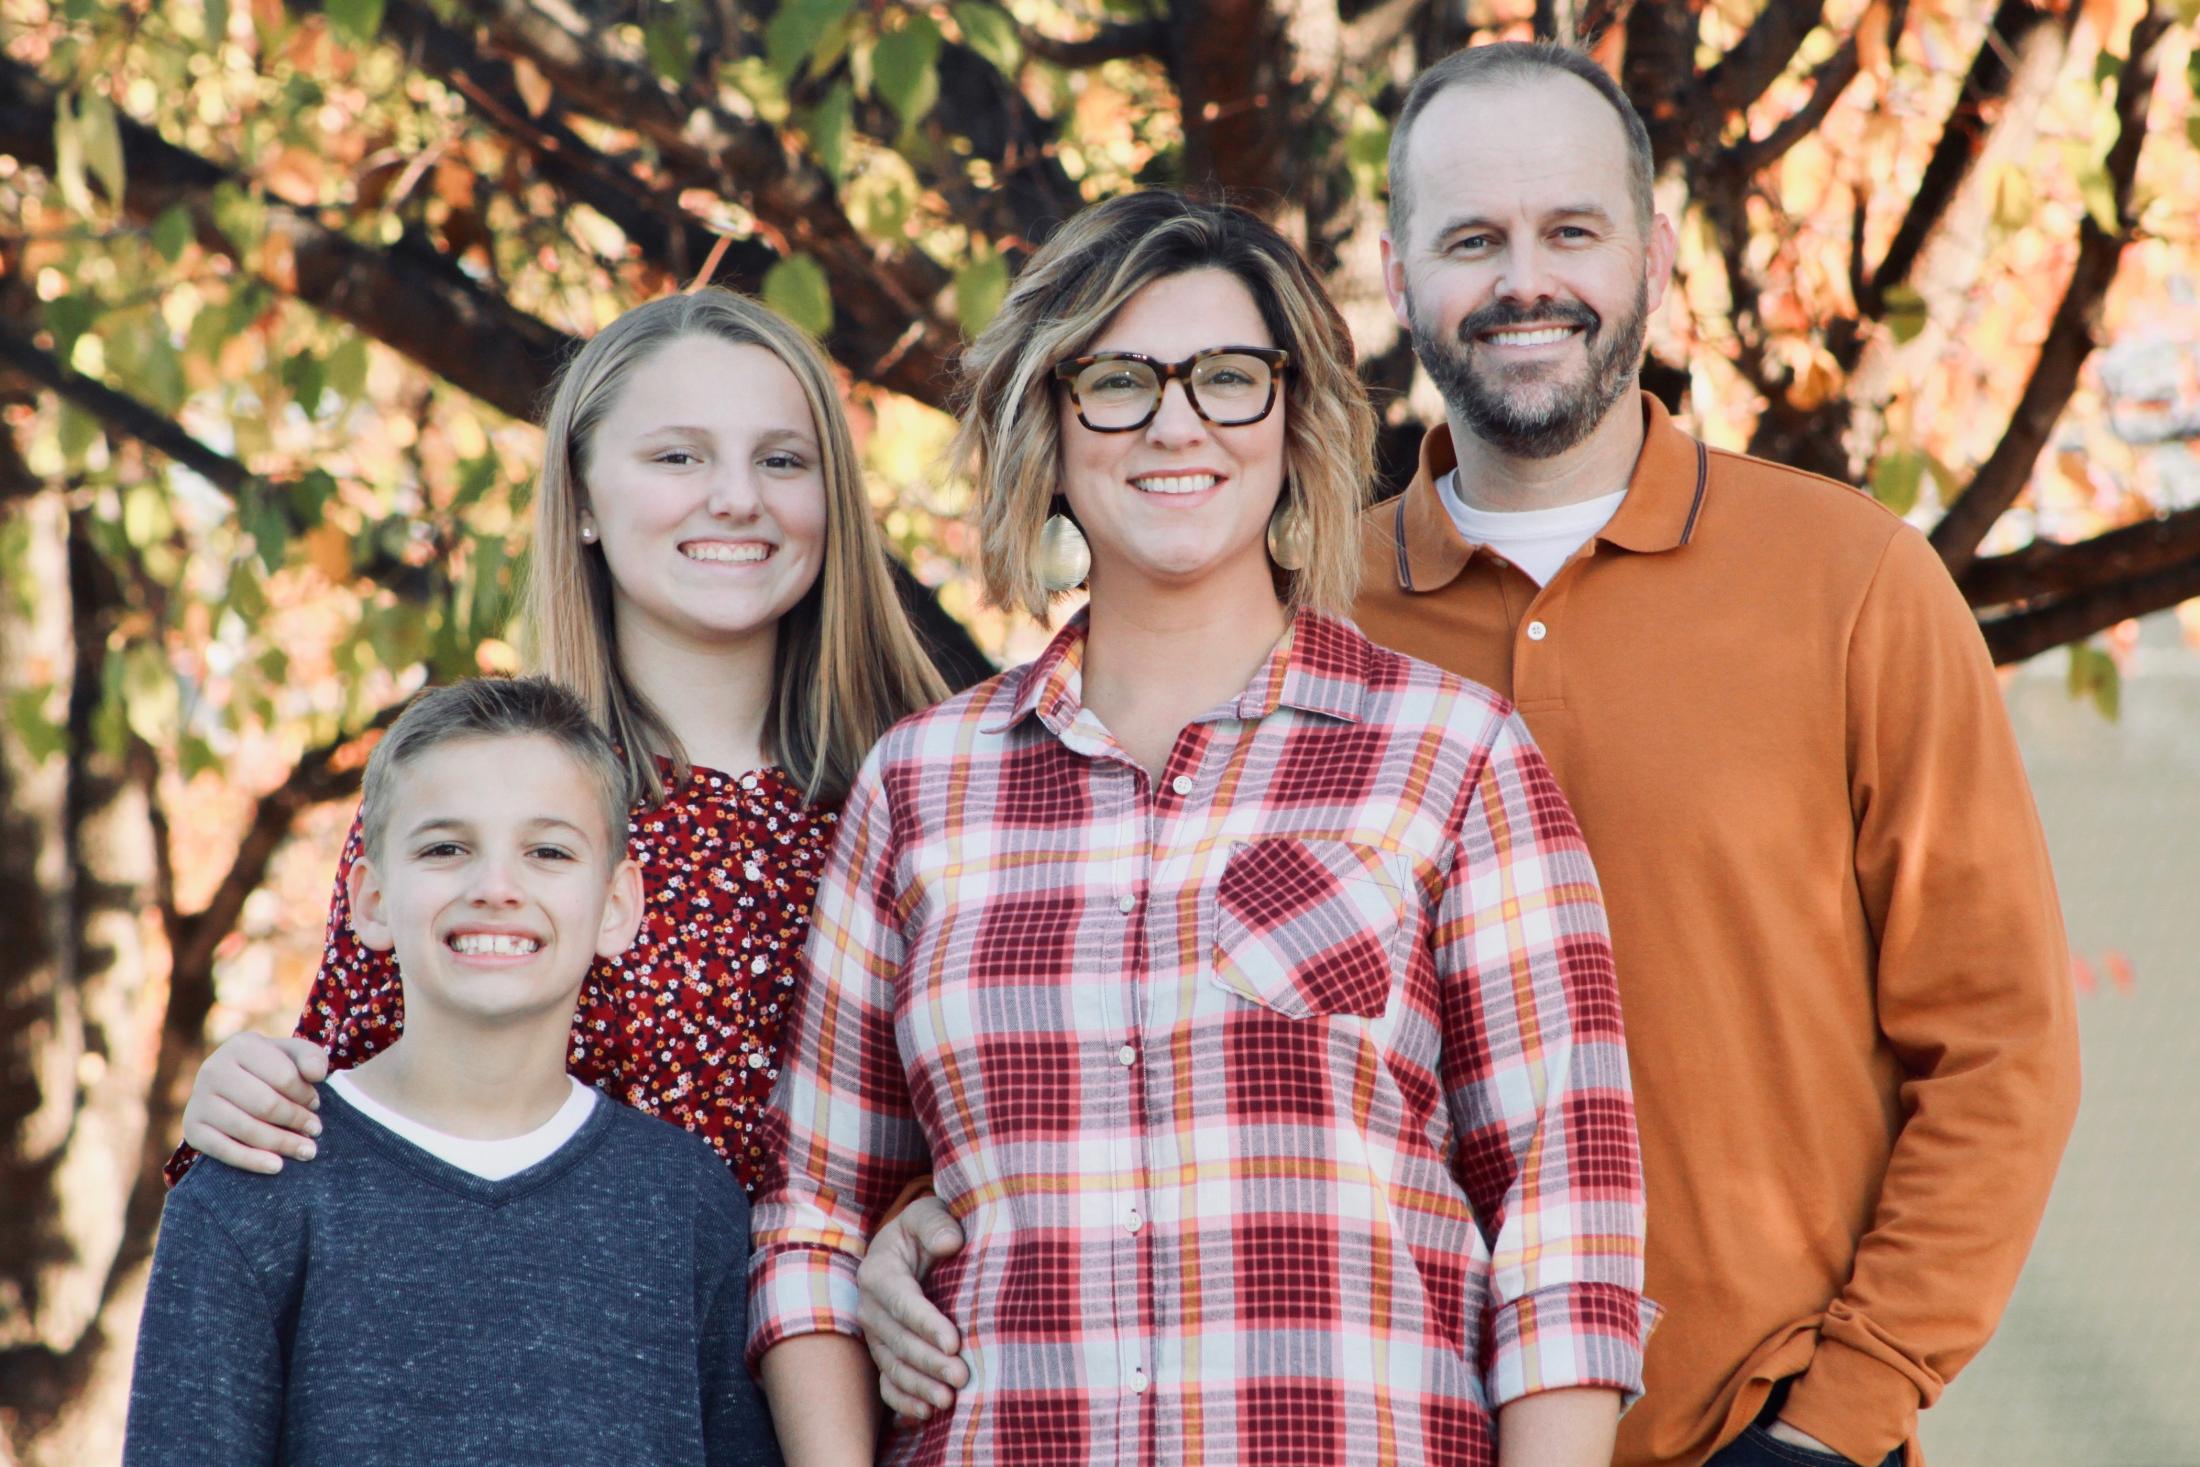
[1227, 388]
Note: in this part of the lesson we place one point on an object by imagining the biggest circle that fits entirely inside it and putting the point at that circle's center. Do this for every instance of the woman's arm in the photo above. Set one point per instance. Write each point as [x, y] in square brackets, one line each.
[824, 1400]
[1535, 1074]
[1567, 1428]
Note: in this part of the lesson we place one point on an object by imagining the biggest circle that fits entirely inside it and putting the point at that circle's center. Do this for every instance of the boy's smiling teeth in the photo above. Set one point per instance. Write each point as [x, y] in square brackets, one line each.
[1532, 336]
[745, 552]
[1175, 483]
[492, 944]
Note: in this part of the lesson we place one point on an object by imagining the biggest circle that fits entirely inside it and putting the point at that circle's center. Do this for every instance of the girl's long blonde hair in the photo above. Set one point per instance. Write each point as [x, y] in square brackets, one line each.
[848, 662]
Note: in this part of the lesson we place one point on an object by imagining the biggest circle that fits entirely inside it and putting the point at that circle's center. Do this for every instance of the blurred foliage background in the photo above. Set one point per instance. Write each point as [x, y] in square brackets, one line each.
[282, 283]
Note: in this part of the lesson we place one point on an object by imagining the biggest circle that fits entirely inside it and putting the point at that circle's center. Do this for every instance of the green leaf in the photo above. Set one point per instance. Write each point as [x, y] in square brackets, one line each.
[145, 517]
[69, 317]
[347, 368]
[152, 703]
[306, 375]
[476, 477]
[906, 68]
[77, 430]
[171, 232]
[1903, 309]
[217, 20]
[99, 131]
[1896, 477]
[309, 495]
[42, 737]
[979, 289]
[796, 288]
[240, 215]
[2094, 675]
[357, 21]
[2099, 196]
[671, 48]
[795, 31]
[263, 520]
[196, 757]
[68, 154]
[1367, 151]
[158, 377]
[1945, 481]
[991, 32]
[829, 125]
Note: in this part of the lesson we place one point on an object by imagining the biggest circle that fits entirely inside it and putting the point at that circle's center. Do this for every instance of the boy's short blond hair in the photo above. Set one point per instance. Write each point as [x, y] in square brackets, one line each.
[494, 708]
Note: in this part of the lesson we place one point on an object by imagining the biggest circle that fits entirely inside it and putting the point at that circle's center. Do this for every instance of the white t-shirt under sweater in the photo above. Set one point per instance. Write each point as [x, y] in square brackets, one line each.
[490, 1160]
[1539, 541]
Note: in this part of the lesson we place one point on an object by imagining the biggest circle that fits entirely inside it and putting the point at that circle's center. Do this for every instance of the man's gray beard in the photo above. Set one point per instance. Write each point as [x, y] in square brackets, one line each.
[1568, 412]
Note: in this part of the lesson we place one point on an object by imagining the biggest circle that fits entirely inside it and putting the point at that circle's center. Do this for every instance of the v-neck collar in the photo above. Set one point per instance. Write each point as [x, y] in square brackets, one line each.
[433, 1169]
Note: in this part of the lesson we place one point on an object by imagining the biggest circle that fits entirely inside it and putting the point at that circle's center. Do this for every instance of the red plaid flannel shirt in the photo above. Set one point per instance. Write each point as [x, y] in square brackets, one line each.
[1283, 1100]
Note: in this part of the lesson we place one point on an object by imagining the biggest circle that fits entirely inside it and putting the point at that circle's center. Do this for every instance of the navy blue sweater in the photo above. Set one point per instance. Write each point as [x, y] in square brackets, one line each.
[378, 1305]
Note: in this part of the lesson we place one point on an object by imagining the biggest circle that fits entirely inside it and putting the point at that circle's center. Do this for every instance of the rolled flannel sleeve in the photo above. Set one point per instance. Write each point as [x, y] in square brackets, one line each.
[842, 1127]
[1535, 1072]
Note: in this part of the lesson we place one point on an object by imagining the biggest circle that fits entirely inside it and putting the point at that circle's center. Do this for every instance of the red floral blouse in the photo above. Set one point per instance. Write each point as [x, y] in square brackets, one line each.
[685, 1024]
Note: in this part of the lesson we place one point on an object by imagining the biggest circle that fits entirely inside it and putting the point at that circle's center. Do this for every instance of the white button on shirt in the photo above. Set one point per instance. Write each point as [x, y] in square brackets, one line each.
[1126, 904]
[1127, 1056]
[1139, 1382]
[1537, 631]
[1182, 784]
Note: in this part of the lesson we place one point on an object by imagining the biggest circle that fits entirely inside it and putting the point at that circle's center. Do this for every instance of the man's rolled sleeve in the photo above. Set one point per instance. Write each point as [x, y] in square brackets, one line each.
[1536, 1072]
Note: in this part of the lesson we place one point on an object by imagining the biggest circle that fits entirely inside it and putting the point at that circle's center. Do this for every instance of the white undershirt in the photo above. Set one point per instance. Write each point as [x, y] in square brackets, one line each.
[1537, 540]
[491, 1160]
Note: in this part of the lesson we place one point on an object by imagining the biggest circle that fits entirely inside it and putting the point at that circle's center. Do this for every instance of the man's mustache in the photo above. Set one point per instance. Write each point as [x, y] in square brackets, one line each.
[1498, 314]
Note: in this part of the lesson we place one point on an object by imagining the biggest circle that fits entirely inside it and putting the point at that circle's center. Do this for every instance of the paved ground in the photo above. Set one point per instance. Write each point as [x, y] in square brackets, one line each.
[2097, 1363]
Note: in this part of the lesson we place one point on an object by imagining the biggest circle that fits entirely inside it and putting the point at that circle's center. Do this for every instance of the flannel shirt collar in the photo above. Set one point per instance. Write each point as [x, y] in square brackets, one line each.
[1664, 495]
[1321, 665]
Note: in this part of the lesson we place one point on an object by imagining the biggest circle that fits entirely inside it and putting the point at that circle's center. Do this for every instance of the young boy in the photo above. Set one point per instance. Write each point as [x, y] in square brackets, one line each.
[488, 1263]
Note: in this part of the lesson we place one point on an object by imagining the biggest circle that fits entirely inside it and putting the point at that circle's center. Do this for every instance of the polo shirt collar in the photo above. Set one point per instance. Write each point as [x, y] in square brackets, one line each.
[1321, 665]
[1664, 496]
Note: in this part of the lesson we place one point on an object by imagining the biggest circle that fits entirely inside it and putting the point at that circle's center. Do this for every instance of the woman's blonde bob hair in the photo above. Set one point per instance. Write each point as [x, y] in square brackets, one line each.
[1010, 442]
[848, 662]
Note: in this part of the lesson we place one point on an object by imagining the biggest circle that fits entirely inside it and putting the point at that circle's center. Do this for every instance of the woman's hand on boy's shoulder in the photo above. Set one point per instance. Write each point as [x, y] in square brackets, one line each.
[253, 1102]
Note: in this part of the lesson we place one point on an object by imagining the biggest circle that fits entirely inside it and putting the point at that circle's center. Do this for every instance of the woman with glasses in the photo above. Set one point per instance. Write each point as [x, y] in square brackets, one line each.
[1244, 986]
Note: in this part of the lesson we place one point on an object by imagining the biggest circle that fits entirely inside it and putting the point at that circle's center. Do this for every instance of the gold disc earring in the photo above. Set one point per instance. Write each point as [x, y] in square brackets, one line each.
[1290, 538]
[1065, 559]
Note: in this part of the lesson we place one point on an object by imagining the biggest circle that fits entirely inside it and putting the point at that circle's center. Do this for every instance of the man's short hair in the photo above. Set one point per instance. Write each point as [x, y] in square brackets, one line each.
[1517, 61]
[494, 708]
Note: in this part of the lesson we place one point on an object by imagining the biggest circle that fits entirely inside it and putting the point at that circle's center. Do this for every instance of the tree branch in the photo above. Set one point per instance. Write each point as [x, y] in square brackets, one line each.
[2048, 568]
[665, 233]
[894, 336]
[2016, 27]
[123, 413]
[1117, 42]
[2071, 336]
[2028, 633]
[1738, 78]
[1827, 83]
[432, 314]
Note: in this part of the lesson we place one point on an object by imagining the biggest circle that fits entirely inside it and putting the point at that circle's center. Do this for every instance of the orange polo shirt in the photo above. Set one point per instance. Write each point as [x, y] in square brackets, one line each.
[1841, 959]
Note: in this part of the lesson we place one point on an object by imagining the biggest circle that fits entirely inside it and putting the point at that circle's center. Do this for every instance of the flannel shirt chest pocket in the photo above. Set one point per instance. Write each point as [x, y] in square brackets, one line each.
[1311, 927]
